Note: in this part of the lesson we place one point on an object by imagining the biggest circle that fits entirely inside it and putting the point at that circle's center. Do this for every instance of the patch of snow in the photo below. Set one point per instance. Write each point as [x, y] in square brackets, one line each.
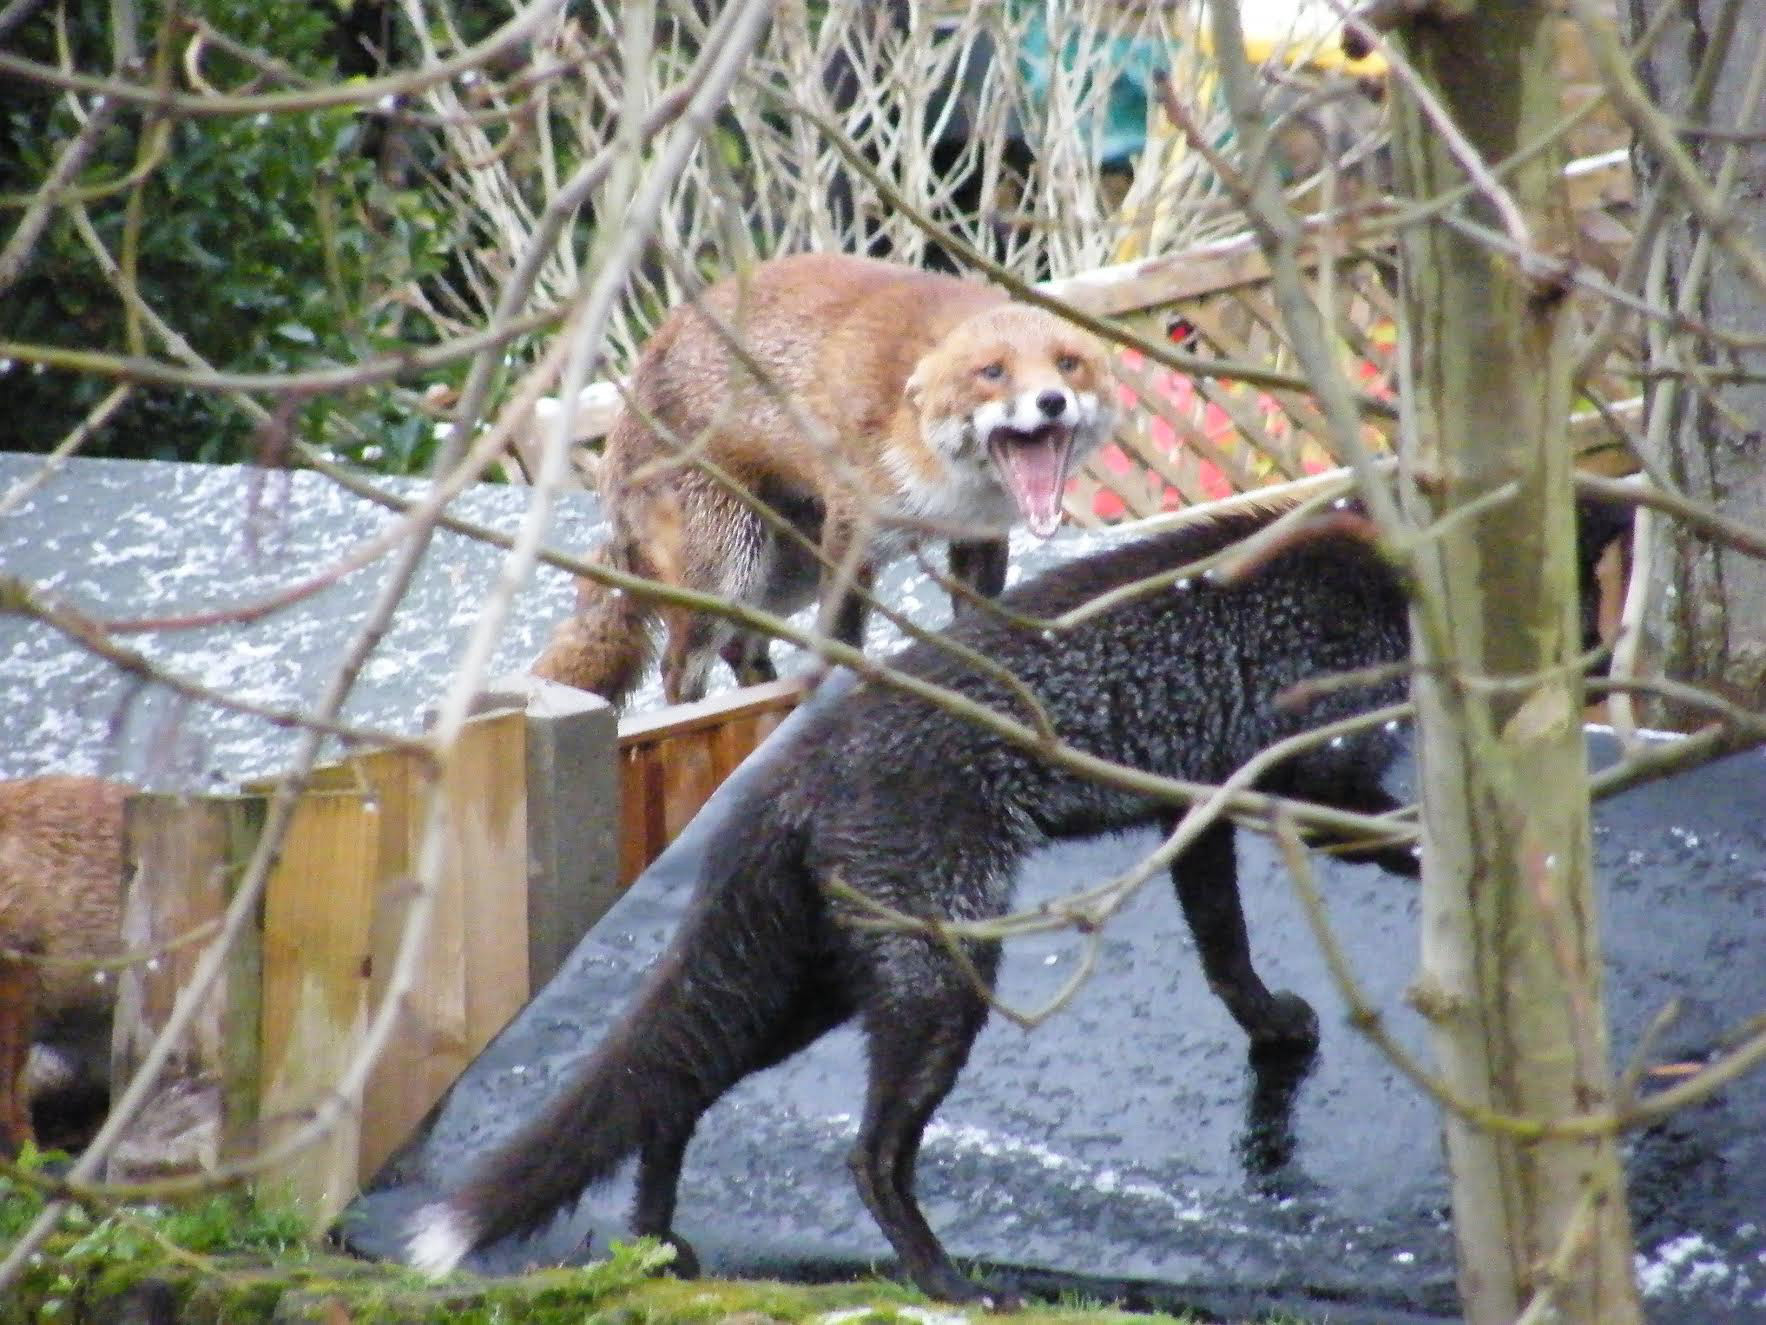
[1686, 1263]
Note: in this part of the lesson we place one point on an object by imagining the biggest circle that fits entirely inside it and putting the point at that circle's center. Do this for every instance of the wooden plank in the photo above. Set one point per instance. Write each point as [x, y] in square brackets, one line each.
[688, 778]
[634, 812]
[765, 724]
[183, 860]
[318, 913]
[1165, 278]
[677, 719]
[727, 744]
[474, 971]
[672, 759]
[422, 1060]
[487, 816]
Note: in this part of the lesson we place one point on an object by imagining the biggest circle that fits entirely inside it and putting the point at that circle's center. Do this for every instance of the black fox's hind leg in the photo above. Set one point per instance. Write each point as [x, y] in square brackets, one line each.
[816, 1011]
[920, 1030]
[653, 1212]
[1207, 881]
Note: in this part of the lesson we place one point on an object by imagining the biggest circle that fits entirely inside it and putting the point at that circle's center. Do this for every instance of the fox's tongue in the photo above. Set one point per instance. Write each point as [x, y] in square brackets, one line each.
[1035, 469]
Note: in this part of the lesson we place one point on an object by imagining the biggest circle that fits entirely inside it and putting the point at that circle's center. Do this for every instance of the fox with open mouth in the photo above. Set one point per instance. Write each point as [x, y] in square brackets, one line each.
[871, 406]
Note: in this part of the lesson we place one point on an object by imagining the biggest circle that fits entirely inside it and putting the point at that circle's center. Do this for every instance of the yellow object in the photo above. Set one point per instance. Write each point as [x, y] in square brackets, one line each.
[1301, 34]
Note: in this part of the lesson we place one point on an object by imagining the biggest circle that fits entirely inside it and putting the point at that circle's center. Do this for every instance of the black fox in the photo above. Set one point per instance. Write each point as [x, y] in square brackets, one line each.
[932, 815]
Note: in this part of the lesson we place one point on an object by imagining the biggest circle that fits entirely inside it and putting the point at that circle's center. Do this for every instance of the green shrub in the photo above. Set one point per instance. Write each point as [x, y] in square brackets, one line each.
[270, 242]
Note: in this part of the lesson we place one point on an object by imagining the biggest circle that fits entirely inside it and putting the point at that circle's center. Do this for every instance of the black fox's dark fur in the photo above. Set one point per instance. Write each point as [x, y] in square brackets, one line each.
[932, 815]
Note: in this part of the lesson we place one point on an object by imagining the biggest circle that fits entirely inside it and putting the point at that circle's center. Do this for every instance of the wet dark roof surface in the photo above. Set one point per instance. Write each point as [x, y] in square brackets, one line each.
[1126, 1147]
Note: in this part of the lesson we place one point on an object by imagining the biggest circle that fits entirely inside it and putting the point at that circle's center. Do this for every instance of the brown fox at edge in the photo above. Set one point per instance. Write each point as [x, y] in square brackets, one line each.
[61, 861]
[948, 406]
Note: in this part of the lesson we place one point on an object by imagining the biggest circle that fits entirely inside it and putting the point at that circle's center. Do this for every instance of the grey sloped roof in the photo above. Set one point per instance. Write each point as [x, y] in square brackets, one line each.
[148, 539]
[126, 539]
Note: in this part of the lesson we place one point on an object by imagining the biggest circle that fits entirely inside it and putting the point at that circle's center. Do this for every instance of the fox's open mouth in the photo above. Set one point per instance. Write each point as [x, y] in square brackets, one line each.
[1032, 464]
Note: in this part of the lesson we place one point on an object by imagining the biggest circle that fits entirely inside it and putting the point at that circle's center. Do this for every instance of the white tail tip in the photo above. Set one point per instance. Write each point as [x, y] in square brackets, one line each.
[440, 1238]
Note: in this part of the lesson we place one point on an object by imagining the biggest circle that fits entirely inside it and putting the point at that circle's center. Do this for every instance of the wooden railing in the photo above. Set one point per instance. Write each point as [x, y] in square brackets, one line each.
[672, 759]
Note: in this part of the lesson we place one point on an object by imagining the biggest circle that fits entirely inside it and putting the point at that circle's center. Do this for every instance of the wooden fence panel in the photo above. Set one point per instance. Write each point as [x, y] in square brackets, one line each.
[474, 972]
[334, 911]
[318, 918]
[183, 860]
[672, 759]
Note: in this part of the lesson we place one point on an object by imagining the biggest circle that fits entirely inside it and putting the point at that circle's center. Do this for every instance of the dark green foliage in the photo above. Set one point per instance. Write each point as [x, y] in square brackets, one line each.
[272, 243]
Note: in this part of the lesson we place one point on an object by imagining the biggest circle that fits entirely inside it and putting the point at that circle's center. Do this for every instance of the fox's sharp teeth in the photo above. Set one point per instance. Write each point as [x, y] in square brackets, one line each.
[1033, 468]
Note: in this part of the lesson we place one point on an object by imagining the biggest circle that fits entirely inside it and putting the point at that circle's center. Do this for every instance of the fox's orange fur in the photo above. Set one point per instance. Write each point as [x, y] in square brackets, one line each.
[61, 861]
[902, 404]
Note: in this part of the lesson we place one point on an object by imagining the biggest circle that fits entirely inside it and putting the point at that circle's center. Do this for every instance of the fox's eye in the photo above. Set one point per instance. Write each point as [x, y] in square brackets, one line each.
[991, 371]
[1068, 363]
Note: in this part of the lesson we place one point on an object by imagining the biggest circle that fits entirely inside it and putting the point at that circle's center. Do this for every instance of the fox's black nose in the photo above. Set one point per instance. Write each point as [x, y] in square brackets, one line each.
[1053, 404]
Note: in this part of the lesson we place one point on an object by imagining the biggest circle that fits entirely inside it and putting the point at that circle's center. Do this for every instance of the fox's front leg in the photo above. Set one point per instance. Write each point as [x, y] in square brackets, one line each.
[920, 1021]
[979, 563]
[18, 1001]
[1207, 881]
[847, 577]
[749, 657]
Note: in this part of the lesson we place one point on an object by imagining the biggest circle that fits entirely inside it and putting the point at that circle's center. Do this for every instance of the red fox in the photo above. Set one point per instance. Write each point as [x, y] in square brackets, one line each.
[931, 403]
[61, 863]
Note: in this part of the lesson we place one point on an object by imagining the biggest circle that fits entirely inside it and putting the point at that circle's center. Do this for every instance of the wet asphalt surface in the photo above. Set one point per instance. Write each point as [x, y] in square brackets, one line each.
[1128, 1147]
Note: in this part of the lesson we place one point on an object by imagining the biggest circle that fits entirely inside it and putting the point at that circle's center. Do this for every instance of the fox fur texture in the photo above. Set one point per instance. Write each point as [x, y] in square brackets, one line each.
[926, 813]
[892, 404]
[61, 866]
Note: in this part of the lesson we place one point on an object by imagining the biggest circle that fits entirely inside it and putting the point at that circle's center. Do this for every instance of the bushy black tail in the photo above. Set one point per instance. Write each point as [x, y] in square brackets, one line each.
[716, 1007]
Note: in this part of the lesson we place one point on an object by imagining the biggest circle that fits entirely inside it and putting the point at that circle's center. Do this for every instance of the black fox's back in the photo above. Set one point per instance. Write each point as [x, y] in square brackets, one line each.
[1182, 681]
[1179, 681]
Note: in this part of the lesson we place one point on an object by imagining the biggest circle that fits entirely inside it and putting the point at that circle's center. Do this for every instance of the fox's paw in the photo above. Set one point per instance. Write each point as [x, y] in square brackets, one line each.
[1288, 1022]
[685, 1265]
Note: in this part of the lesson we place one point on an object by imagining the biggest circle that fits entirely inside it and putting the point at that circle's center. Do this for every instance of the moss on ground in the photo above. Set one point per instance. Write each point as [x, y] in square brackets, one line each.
[224, 1260]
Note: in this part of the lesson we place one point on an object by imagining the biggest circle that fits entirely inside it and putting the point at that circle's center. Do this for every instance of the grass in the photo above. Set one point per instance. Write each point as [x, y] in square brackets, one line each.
[226, 1259]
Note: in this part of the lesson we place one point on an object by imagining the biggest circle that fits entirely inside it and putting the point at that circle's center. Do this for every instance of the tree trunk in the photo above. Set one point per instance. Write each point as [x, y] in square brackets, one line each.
[1707, 623]
[1510, 972]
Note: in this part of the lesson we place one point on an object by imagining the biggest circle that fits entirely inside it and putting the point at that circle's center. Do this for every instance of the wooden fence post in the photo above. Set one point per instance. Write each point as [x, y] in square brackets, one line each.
[474, 977]
[572, 814]
[182, 859]
[318, 913]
